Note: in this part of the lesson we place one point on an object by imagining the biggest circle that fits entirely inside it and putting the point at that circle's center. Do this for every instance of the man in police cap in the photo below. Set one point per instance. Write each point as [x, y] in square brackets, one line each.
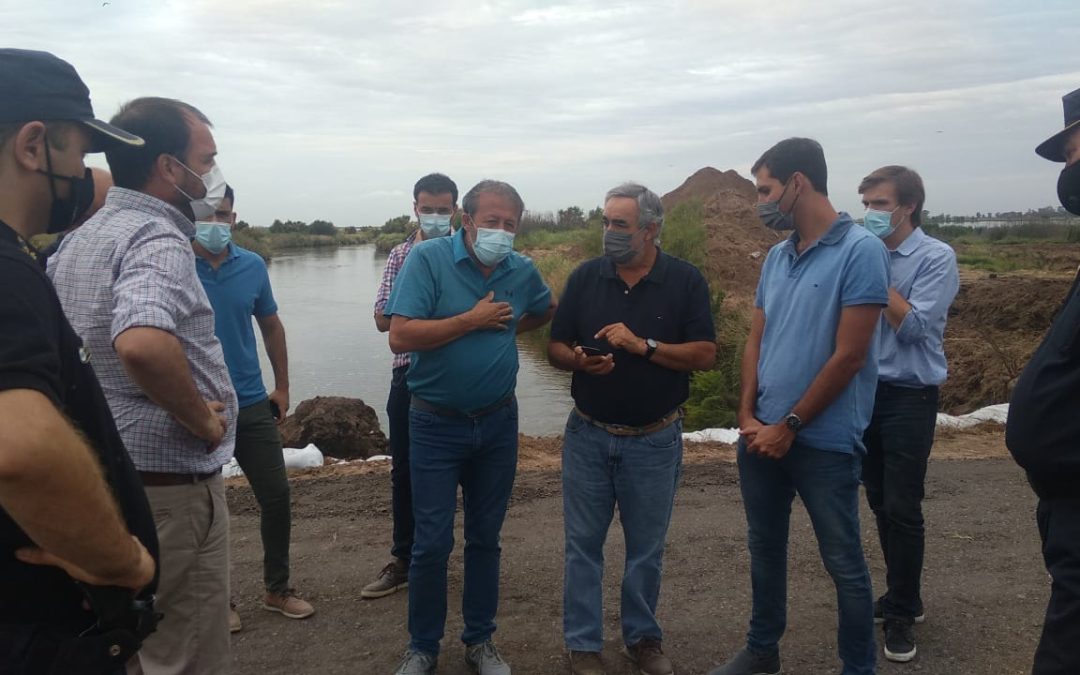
[72, 508]
[1043, 433]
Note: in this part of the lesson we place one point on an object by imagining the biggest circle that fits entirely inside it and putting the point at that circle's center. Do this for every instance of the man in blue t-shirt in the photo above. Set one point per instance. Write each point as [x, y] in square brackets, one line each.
[808, 379]
[456, 306]
[238, 286]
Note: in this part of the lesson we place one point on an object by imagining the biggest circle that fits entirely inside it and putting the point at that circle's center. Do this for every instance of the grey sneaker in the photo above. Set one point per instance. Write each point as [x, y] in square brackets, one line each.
[746, 662]
[392, 578]
[417, 663]
[484, 659]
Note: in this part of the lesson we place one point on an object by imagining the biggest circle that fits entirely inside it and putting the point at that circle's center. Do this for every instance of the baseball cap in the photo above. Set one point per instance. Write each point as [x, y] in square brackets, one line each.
[38, 86]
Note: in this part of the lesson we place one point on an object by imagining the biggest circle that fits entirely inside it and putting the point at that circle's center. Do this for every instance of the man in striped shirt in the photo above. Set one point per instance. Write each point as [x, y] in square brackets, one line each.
[435, 205]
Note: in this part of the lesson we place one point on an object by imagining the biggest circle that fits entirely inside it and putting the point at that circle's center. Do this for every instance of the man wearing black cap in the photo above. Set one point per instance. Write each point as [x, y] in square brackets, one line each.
[1043, 434]
[71, 505]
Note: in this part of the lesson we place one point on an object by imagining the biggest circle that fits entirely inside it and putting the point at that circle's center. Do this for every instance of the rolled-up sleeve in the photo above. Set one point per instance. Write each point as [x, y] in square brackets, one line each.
[156, 284]
[932, 292]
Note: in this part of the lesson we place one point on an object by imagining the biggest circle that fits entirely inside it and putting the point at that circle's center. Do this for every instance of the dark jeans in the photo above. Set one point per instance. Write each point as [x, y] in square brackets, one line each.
[480, 454]
[828, 484]
[258, 452]
[898, 443]
[1059, 527]
[397, 411]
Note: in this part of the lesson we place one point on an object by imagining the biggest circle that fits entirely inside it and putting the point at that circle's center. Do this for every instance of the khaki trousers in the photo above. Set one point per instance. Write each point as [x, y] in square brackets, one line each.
[193, 593]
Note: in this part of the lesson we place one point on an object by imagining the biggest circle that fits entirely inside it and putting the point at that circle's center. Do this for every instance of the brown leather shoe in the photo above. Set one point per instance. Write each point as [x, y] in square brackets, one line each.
[392, 578]
[648, 656]
[586, 663]
[288, 605]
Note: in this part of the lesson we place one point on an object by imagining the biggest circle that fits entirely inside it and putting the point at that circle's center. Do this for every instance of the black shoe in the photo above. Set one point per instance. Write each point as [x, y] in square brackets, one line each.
[879, 614]
[899, 640]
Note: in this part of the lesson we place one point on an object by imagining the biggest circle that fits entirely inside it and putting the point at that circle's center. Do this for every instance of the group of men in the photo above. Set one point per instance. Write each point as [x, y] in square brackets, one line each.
[143, 341]
[129, 377]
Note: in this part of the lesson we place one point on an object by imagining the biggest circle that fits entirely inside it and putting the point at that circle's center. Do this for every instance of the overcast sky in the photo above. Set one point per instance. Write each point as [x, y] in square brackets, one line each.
[333, 108]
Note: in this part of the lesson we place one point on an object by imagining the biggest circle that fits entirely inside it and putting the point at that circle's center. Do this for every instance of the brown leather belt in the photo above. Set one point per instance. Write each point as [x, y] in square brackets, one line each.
[624, 430]
[155, 479]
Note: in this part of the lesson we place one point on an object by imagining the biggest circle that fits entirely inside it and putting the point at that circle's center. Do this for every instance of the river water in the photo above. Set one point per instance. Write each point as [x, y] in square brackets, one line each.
[325, 299]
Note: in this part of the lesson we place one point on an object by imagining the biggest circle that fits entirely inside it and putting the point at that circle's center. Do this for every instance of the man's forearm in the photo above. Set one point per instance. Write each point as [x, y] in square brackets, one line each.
[897, 309]
[532, 322]
[685, 357]
[51, 485]
[830, 381]
[561, 355]
[155, 360]
[421, 335]
[278, 354]
[382, 322]
[748, 382]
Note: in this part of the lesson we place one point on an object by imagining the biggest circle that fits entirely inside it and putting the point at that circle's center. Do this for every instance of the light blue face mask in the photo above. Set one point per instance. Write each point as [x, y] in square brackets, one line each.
[492, 245]
[879, 223]
[434, 224]
[214, 237]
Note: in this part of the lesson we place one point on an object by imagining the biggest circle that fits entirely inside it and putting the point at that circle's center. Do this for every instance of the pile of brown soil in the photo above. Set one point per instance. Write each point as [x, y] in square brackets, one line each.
[995, 324]
[737, 241]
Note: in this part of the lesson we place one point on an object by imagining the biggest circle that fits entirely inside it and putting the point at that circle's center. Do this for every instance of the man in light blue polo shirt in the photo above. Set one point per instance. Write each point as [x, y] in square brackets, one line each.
[238, 287]
[911, 367]
[456, 306]
[808, 378]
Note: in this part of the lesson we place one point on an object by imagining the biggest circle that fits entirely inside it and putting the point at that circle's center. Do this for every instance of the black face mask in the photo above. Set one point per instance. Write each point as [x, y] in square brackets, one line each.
[66, 212]
[1069, 188]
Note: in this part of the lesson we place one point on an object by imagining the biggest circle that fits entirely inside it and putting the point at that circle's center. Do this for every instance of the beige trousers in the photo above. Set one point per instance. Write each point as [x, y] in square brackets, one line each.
[193, 593]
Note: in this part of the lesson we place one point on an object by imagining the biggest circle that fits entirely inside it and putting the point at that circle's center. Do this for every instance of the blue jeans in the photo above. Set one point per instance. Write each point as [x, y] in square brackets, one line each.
[898, 443]
[828, 483]
[480, 454]
[640, 474]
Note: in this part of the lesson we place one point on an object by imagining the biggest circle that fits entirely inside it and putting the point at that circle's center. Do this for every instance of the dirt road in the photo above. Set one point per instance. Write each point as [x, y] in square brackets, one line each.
[985, 587]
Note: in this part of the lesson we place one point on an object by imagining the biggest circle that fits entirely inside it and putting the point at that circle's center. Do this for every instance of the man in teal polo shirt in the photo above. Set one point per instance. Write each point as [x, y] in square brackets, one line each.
[456, 306]
[238, 286]
[809, 373]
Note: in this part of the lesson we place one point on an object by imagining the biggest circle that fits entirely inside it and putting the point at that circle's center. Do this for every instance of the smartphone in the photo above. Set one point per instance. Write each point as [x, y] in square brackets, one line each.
[275, 411]
[593, 351]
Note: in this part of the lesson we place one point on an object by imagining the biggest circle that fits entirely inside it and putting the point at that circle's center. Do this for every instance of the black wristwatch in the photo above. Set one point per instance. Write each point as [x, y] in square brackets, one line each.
[650, 347]
[793, 422]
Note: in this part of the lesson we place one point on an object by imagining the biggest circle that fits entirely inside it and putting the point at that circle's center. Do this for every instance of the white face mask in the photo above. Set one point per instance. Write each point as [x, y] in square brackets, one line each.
[214, 182]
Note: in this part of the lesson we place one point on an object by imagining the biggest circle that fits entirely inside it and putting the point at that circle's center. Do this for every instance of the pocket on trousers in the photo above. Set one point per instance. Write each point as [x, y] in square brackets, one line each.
[668, 437]
[421, 418]
[574, 423]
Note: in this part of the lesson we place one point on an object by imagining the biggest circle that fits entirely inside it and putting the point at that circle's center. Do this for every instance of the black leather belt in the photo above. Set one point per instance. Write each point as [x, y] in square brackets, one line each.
[421, 404]
[156, 479]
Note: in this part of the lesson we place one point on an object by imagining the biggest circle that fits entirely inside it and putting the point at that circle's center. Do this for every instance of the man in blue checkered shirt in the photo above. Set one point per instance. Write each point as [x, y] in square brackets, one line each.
[127, 282]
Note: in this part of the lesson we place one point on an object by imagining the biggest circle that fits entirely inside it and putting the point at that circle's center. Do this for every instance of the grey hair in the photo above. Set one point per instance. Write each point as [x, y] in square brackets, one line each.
[650, 209]
[495, 187]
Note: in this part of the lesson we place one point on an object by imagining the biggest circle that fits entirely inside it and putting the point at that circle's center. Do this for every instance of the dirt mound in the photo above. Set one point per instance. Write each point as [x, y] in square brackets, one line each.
[341, 427]
[995, 324]
[737, 241]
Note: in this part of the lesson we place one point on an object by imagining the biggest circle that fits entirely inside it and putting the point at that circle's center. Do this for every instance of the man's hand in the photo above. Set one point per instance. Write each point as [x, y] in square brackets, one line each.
[136, 578]
[488, 315]
[749, 426]
[621, 337]
[772, 441]
[593, 365]
[212, 428]
[280, 398]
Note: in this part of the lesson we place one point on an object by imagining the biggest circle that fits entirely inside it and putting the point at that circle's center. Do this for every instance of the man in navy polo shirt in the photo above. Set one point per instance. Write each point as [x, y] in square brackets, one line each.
[456, 306]
[646, 321]
[808, 378]
[238, 287]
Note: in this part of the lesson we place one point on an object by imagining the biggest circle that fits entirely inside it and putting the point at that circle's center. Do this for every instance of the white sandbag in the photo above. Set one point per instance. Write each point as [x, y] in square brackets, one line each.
[994, 413]
[295, 458]
[730, 436]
